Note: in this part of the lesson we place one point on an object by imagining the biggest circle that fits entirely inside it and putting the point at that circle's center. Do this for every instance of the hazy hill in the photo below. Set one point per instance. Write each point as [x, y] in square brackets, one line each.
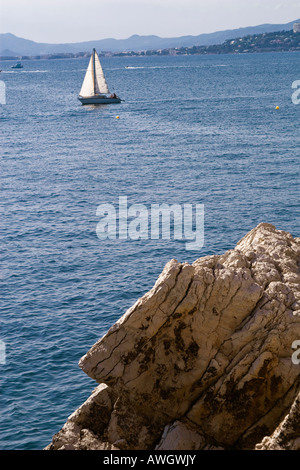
[11, 45]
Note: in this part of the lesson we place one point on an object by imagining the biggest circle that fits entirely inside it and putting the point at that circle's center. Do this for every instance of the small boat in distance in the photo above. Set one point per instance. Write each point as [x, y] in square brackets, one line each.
[18, 65]
[94, 88]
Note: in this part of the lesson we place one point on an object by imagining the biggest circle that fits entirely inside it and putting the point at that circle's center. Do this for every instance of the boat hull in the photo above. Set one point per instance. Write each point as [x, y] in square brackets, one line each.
[98, 100]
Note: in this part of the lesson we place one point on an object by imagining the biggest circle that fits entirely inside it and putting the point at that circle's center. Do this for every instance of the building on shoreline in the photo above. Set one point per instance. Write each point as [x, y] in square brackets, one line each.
[296, 28]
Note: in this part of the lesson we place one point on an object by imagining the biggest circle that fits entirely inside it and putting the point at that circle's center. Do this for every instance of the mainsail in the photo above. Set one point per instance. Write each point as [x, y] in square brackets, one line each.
[101, 85]
[94, 81]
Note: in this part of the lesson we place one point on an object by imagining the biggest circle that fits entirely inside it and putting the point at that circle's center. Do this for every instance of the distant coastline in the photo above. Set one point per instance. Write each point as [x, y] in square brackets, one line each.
[283, 41]
[280, 41]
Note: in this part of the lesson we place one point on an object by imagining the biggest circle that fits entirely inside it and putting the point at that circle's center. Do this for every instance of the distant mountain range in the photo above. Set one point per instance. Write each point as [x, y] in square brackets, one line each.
[11, 45]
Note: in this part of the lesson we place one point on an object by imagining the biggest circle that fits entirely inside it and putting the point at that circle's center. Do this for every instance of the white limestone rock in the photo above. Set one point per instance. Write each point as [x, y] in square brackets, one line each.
[203, 360]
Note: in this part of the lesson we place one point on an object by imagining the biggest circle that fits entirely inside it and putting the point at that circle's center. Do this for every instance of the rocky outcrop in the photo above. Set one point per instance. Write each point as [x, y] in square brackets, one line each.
[203, 360]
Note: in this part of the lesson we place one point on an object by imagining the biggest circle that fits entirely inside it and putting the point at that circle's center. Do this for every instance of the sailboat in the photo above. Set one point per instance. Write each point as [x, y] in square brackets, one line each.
[94, 88]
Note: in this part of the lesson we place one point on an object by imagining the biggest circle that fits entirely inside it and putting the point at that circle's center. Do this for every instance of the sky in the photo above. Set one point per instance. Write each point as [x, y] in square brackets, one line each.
[60, 21]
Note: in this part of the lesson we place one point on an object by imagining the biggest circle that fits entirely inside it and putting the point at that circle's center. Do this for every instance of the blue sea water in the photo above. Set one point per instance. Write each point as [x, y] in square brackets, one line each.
[192, 130]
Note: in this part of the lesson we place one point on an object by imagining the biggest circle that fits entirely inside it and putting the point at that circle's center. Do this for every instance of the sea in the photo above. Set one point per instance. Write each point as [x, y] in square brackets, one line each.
[217, 132]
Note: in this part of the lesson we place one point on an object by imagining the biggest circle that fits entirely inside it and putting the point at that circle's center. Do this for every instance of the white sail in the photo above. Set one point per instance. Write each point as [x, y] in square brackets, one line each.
[87, 88]
[94, 81]
[101, 85]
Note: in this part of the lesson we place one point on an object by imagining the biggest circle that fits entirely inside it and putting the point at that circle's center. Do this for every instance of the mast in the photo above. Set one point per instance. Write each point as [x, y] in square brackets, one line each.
[94, 73]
